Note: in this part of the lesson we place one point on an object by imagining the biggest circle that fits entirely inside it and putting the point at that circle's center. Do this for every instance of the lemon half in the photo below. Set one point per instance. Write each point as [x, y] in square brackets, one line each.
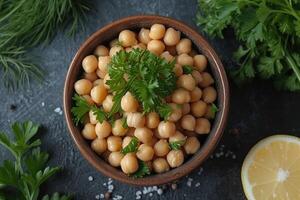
[271, 170]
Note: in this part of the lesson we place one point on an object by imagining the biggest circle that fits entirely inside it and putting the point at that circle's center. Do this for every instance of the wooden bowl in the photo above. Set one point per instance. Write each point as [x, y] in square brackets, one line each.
[110, 32]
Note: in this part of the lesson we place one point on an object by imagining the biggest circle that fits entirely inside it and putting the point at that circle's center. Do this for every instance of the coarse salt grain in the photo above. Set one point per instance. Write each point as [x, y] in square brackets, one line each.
[97, 196]
[101, 196]
[58, 110]
[159, 191]
[43, 104]
[197, 184]
[90, 178]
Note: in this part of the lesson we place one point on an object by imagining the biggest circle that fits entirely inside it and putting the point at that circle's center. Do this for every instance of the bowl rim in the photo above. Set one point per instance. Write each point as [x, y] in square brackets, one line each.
[219, 123]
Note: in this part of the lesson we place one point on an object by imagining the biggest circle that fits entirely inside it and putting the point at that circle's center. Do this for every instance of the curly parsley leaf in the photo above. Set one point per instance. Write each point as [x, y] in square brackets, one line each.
[56, 196]
[268, 32]
[148, 77]
[176, 145]
[142, 171]
[82, 107]
[187, 69]
[131, 147]
[29, 170]
[214, 109]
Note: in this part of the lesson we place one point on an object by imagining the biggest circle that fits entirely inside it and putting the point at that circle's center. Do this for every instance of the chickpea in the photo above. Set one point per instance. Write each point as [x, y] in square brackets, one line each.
[197, 76]
[161, 148]
[129, 163]
[184, 46]
[191, 145]
[98, 81]
[166, 129]
[178, 70]
[130, 131]
[181, 96]
[186, 108]
[160, 165]
[136, 120]
[88, 132]
[118, 129]
[198, 108]
[101, 74]
[140, 46]
[90, 64]
[144, 135]
[115, 158]
[209, 94]
[103, 62]
[207, 80]
[114, 143]
[167, 56]
[90, 76]
[200, 62]
[188, 122]
[186, 81]
[114, 50]
[88, 99]
[114, 42]
[129, 103]
[152, 120]
[172, 37]
[99, 145]
[106, 78]
[202, 126]
[126, 141]
[196, 94]
[145, 152]
[175, 158]
[101, 50]
[103, 129]
[185, 59]
[153, 141]
[105, 155]
[209, 112]
[157, 31]
[99, 93]
[127, 38]
[156, 46]
[83, 86]
[144, 36]
[176, 112]
[93, 117]
[178, 136]
[108, 103]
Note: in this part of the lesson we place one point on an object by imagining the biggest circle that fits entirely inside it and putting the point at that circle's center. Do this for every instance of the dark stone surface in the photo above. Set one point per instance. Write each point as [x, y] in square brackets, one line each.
[257, 110]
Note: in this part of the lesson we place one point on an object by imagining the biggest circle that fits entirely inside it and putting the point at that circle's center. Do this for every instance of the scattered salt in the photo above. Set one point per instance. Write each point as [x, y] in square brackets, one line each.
[101, 196]
[43, 104]
[58, 110]
[90, 178]
[97, 196]
[197, 184]
[159, 191]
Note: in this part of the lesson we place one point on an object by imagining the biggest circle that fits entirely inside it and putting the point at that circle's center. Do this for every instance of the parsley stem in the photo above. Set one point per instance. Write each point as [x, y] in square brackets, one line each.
[12, 11]
[292, 64]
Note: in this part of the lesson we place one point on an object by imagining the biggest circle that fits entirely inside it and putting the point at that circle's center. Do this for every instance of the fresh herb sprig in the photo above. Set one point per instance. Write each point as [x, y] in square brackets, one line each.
[143, 170]
[27, 23]
[82, 107]
[131, 147]
[214, 109]
[29, 170]
[176, 145]
[148, 77]
[187, 69]
[269, 33]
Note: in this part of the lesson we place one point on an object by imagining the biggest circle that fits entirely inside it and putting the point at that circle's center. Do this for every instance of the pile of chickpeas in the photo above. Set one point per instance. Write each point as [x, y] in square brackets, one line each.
[191, 103]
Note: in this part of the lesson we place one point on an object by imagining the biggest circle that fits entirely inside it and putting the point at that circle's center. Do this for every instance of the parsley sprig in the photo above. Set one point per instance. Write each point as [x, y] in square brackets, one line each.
[142, 171]
[82, 107]
[29, 170]
[269, 35]
[176, 145]
[148, 77]
[131, 147]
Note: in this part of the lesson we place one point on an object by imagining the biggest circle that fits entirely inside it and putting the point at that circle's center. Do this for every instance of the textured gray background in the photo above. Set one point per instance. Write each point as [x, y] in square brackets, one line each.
[257, 110]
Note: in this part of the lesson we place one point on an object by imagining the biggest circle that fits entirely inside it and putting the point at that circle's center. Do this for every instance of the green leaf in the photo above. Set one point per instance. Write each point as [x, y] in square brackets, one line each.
[214, 109]
[187, 69]
[100, 114]
[142, 171]
[57, 196]
[124, 122]
[36, 161]
[131, 147]
[9, 174]
[176, 145]
[24, 132]
[81, 108]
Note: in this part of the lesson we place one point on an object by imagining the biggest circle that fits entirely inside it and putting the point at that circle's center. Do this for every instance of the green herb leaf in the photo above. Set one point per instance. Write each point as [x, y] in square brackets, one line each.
[82, 107]
[124, 122]
[9, 174]
[56, 196]
[176, 145]
[214, 109]
[149, 78]
[131, 147]
[142, 171]
[268, 32]
[187, 69]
